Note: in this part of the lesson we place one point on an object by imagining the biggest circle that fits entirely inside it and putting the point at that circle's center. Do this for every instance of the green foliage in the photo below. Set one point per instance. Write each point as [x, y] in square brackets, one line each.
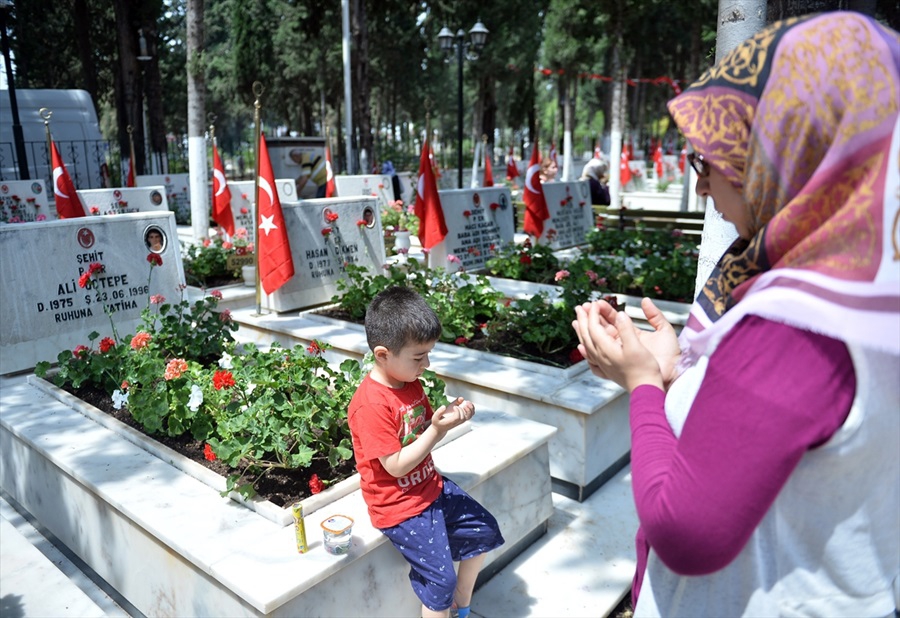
[525, 262]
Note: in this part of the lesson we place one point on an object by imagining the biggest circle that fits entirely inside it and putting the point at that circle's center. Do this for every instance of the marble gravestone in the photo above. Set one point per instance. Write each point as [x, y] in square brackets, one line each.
[375, 185]
[24, 201]
[45, 310]
[478, 220]
[177, 190]
[242, 202]
[571, 213]
[320, 256]
[124, 200]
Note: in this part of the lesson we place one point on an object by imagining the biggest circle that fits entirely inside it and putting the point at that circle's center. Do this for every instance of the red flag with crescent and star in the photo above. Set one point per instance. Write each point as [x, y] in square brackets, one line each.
[488, 172]
[221, 196]
[330, 189]
[68, 204]
[512, 171]
[658, 159]
[624, 169]
[535, 205]
[432, 226]
[275, 264]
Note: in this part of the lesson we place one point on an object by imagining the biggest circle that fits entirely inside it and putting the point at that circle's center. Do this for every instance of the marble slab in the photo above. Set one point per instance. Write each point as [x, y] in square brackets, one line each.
[378, 186]
[321, 248]
[43, 263]
[200, 555]
[124, 200]
[594, 437]
[478, 220]
[24, 201]
[177, 191]
[243, 201]
[571, 214]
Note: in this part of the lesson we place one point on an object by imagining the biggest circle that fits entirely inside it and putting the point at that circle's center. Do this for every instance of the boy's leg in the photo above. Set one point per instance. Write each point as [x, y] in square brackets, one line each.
[430, 613]
[465, 579]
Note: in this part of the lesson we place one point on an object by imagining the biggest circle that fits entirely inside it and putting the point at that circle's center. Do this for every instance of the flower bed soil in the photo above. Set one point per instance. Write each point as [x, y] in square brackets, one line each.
[279, 486]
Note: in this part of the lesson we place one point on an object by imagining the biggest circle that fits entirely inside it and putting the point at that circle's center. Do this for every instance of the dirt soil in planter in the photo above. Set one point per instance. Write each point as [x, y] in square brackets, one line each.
[509, 345]
[281, 487]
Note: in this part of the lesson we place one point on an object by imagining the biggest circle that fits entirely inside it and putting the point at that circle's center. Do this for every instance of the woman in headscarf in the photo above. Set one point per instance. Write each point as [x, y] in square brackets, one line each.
[595, 173]
[766, 446]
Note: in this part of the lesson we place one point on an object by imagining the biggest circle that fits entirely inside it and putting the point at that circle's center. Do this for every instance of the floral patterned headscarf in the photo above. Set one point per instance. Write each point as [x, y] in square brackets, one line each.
[802, 118]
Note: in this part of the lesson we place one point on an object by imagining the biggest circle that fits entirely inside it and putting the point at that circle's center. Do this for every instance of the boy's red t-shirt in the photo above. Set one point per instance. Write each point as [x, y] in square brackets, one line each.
[382, 421]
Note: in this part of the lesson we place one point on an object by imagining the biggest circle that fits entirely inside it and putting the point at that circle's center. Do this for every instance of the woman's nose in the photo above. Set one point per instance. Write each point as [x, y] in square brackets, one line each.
[702, 187]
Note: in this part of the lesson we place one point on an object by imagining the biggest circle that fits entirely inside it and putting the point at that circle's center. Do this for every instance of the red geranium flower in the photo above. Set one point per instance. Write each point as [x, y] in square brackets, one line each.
[208, 453]
[315, 484]
[331, 217]
[216, 294]
[314, 348]
[154, 259]
[223, 379]
[461, 341]
[81, 351]
[524, 259]
[106, 344]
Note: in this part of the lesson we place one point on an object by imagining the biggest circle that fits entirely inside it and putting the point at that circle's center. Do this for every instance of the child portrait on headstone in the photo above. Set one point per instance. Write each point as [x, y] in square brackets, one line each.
[428, 518]
[154, 240]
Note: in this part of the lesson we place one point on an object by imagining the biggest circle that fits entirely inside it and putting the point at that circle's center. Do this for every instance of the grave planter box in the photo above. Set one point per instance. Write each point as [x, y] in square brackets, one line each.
[173, 546]
[593, 441]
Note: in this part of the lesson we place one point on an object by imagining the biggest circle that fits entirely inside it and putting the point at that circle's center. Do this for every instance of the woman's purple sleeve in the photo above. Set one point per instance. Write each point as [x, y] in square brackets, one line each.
[770, 393]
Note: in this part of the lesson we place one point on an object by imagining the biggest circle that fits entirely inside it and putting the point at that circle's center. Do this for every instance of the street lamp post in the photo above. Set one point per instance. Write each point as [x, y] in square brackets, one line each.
[448, 40]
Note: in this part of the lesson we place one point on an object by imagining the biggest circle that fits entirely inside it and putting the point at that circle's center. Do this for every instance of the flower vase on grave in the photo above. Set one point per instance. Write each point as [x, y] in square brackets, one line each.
[401, 241]
[249, 273]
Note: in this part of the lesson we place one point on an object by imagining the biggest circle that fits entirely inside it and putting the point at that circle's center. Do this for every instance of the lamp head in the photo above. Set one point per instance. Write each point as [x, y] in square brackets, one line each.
[478, 35]
[445, 38]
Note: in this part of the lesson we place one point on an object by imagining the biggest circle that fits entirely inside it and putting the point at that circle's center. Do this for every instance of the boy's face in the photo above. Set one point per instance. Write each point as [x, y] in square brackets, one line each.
[404, 365]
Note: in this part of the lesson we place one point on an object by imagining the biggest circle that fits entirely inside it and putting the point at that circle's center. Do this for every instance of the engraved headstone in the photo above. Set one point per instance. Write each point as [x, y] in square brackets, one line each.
[177, 189]
[24, 201]
[124, 200]
[242, 201]
[478, 221]
[46, 310]
[571, 213]
[378, 186]
[321, 246]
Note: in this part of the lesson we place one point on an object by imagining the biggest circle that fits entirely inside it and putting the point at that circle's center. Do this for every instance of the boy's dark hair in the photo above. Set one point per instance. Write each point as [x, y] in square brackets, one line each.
[399, 316]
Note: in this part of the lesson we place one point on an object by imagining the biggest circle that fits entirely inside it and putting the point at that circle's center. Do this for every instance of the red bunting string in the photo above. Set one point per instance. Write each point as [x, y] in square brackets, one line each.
[656, 81]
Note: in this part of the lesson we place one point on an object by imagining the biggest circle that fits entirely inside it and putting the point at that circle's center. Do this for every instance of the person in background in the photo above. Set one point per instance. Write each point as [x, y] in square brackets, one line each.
[595, 172]
[387, 169]
[428, 518]
[549, 170]
[766, 446]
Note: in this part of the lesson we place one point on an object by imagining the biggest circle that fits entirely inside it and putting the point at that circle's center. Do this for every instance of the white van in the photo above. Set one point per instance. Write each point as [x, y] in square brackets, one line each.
[74, 128]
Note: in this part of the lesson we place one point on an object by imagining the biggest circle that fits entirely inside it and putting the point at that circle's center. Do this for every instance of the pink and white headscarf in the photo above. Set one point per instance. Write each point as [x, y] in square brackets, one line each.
[803, 119]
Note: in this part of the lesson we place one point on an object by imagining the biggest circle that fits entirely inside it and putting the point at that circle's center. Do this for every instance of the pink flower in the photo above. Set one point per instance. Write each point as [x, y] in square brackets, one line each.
[562, 274]
[225, 316]
[140, 341]
[81, 351]
[206, 242]
[216, 294]
[453, 259]
[227, 245]
[426, 250]
[154, 259]
[174, 368]
[106, 344]
[250, 248]
[41, 218]
[157, 299]
[381, 185]
[591, 275]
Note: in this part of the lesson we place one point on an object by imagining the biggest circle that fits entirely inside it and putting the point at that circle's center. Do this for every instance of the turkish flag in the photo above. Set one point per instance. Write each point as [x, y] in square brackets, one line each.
[682, 159]
[129, 182]
[658, 158]
[624, 170]
[511, 170]
[68, 204]
[488, 172]
[221, 196]
[275, 264]
[535, 205]
[432, 227]
[330, 190]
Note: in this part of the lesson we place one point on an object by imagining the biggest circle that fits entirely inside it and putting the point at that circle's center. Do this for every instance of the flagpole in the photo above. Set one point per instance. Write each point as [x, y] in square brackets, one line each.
[257, 90]
[45, 114]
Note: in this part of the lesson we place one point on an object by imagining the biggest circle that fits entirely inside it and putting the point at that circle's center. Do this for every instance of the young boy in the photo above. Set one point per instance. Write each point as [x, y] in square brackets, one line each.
[428, 518]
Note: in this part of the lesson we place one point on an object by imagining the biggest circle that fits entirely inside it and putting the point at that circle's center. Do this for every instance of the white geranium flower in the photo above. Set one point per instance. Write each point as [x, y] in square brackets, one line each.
[119, 399]
[196, 398]
[225, 361]
[250, 388]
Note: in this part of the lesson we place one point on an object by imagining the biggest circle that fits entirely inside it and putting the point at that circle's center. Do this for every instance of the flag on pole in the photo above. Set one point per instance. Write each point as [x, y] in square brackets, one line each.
[624, 169]
[488, 172]
[68, 204]
[275, 264]
[535, 205]
[130, 181]
[436, 169]
[222, 214]
[682, 159]
[512, 171]
[330, 189]
[658, 159]
[432, 227]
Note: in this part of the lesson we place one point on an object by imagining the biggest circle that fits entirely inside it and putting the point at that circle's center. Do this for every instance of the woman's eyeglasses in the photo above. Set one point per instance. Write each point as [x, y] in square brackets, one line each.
[699, 164]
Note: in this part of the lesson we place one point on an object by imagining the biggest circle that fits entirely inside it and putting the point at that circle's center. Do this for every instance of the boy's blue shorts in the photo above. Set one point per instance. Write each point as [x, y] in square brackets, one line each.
[454, 527]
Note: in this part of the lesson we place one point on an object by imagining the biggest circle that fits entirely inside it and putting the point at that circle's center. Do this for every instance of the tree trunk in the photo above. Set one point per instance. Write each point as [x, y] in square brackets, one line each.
[129, 91]
[196, 86]
[360, 64]
[615, 145]
[738, 20]
[152, 83]
[82, 20]
[569, 129]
